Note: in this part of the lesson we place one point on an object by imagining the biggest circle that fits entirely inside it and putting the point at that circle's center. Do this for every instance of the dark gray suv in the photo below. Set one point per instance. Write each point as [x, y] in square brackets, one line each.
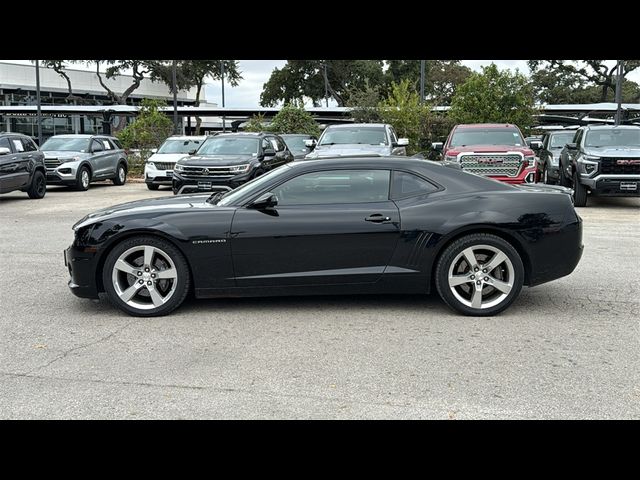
[78, 160]
[21, 165]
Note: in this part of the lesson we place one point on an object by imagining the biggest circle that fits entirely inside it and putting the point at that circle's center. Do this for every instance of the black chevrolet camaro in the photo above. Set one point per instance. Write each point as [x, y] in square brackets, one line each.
[332, 226]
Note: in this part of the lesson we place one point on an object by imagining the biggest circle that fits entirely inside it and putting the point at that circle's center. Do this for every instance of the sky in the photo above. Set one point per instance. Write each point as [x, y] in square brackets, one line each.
[256, 72]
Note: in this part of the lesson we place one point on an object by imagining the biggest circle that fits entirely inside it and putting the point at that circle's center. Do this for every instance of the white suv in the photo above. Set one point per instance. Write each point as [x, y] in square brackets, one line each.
[158, 169]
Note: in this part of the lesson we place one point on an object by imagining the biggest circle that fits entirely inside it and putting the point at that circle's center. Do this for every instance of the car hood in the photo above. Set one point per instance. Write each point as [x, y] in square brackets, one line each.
[613, 151]
[347, 150]
[215, 160]
[167, 157]
[64, 154]
[147, 207]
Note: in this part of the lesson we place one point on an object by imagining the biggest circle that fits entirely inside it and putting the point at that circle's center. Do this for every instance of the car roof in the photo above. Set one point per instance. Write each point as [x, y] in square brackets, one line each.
[187, 137]
[351, 125]
[609, 127]
[82, 135]
[295, 135]
[485, 125]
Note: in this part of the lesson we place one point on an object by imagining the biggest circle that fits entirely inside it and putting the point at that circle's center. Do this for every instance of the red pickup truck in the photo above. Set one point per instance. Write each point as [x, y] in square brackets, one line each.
[494, 150]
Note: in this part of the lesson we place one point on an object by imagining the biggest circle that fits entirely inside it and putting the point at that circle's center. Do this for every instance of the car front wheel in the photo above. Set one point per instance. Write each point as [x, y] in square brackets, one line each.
[84, 179]
[479, 275]
[146, 276]
[38, 188]
[579, 192]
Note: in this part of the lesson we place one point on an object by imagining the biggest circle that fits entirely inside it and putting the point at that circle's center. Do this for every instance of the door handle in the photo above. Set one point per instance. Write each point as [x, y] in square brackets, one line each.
[377, 218]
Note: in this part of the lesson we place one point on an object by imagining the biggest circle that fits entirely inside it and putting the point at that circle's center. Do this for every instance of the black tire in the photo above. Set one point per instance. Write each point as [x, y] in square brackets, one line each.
[38, 187]
[82, 182]
[579, 192]
[163, 247]
[257, 173]
[545, 175]
[121, 175]
[511, 274]
[151, 186]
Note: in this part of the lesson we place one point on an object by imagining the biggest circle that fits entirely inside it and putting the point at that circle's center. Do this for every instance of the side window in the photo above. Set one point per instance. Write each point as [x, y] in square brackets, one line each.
[407, 184]
[105, 144]
[18, 147]
[545, 141]
[335, 186]
[28, 144]
[281, 145]
[97, 146]
[266, 144]
[4, 143]
[394, 137]
[117, 144]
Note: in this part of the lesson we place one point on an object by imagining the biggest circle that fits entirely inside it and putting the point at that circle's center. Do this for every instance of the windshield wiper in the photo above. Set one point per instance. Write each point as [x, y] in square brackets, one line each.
[214, 197]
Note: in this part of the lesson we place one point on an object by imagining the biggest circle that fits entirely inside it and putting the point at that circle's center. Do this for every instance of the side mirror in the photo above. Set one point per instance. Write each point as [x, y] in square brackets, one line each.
[403, 142]
[192, 152]
[264, 201]
[437, 146]
[535, 144]
[572, 146]
[4, 151]
[154, 150]
[269, 152]
[310, 142]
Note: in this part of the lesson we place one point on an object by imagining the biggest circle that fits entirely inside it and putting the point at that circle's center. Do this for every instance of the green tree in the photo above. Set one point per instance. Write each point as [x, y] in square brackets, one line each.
[150, 128]
[441, 77]
[590, 72]
[410, 118]
[305, 79]
[494, 96]
[193, 73]
[364, 104]
[294, 119]
[255, 124]
[138, 70]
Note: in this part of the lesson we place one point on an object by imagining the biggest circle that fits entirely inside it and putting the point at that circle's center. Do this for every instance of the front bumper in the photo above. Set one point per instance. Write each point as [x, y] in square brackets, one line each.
[64, 174]
[613, 185]
[201, 183]
[527, 175]
[81, 266]
[154, 176]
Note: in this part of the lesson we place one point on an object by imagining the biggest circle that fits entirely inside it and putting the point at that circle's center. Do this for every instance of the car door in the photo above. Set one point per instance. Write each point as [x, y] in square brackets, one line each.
[283, 154]
[329, 227]
[268, 153]
[100, 159]
[21, 161]
[8, 165]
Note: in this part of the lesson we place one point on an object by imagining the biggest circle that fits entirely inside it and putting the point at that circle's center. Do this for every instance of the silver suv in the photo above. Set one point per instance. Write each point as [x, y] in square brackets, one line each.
[358, 139]
[78, 160]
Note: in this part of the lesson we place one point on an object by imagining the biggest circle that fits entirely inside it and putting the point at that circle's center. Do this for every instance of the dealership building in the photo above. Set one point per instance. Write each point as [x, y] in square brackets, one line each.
[18, 88]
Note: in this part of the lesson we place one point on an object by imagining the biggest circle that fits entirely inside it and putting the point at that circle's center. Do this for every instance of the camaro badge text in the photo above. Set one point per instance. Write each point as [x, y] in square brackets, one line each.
[221, 240]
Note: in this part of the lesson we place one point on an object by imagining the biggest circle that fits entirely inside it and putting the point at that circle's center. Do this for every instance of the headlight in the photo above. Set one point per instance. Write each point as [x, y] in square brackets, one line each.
[450, 158]
[239, 168]
[553, 160]
[531, 159]
[587, 165]
[69, 159]
[151, 164]
[178, 168]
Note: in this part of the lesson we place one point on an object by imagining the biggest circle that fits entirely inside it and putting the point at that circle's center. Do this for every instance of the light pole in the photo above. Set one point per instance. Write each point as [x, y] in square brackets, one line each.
[224, 122]
[619, 68]
[422, 66]
[39, 112]
[326, 85]
[175, 98]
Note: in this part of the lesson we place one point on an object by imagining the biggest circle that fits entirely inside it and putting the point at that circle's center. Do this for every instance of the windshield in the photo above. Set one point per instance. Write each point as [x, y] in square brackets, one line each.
[626, 137]
[229, 146]
[296, 143]
[361, 135]
[488, 136]
[66, 144]
[561, 139]
[253, 186]
[179, 146]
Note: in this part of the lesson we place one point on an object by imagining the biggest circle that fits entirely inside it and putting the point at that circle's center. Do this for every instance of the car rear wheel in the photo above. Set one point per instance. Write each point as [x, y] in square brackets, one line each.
[121, 175]
[146, 276]
[38, 187]
[83, 179]
[579, 192]
[479, 275]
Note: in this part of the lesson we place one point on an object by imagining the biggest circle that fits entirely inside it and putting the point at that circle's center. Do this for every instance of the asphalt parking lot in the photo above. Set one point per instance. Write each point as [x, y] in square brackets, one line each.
[564, 350]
